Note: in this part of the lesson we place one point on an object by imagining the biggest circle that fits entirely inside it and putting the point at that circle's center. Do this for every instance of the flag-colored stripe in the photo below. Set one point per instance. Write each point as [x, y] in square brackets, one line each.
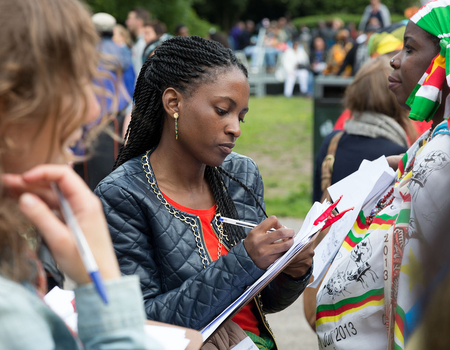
[334, 312]
[379, 222]
[361, 221]
[428, 92]
[404, 216]
[400, 324]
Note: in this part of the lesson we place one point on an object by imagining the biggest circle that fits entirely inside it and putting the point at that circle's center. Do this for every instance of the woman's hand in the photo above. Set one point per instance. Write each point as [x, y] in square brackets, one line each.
[37, 202]
[299, 266]
[265, 247]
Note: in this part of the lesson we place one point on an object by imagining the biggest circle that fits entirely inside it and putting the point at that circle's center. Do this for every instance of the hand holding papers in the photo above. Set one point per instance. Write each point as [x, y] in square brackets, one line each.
[313, 224]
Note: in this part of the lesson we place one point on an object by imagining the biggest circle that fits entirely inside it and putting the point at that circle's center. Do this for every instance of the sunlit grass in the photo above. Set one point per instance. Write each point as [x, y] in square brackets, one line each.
[277, 134]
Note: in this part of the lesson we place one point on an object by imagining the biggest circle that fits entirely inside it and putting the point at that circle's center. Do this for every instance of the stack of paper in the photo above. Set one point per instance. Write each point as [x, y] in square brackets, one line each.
[303, 237]
[170, 338]
[359, 189]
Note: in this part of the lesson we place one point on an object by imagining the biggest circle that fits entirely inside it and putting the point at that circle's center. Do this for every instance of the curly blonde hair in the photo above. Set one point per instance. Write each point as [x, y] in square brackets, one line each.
[47, 56]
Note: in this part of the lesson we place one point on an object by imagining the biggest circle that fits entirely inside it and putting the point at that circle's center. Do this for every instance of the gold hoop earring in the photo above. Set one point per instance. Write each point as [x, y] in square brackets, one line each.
[176, 125]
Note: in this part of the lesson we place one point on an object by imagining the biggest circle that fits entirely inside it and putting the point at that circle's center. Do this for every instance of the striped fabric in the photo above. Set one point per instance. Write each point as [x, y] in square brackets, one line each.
[355, 293]
[434, 18]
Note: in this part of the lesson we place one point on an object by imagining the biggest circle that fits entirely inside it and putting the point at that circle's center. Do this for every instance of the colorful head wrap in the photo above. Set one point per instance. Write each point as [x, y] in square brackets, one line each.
[387, 40]
[426, 97]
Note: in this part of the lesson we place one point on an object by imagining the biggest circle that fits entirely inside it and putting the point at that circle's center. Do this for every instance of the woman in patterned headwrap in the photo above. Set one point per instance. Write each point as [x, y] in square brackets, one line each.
[372, 291]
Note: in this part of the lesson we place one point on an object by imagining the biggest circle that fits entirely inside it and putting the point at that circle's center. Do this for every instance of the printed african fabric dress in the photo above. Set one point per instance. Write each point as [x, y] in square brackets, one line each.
[372, 288]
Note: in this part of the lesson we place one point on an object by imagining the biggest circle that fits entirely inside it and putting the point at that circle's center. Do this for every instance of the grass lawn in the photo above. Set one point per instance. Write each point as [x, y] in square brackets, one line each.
[277, 134]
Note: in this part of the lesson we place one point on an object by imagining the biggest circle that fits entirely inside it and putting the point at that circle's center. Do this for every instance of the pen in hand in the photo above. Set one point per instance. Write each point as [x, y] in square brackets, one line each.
[83, 247]
[240, 223]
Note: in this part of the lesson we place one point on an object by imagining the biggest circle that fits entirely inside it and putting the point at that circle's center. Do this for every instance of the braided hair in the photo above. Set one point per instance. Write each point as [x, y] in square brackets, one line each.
[183, 63]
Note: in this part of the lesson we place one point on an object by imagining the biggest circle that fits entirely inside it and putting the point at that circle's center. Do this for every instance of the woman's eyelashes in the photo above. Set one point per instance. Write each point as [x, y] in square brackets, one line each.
[221, 111]
[408, 48]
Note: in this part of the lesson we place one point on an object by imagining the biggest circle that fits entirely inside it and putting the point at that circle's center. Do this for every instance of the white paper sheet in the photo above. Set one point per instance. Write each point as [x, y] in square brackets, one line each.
[359, 188]
[169, 338]
[302, 238]
[60, 301]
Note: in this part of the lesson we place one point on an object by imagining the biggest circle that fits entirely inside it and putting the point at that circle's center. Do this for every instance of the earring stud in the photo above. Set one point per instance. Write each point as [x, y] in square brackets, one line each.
[175, 115]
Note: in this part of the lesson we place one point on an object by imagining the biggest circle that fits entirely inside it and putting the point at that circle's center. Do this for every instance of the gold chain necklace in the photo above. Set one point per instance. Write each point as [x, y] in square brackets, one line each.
[186, 219]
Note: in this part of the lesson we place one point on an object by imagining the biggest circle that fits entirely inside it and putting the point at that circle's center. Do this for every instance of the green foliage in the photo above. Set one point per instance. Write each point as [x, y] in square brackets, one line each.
[324, 7]
[312, 21]
[224, 13]
[170, 12]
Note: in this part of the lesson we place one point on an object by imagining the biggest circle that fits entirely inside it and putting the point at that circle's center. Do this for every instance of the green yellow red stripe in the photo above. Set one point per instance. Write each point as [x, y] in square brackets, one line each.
[359, 231]
[334, 312]
[399, 329]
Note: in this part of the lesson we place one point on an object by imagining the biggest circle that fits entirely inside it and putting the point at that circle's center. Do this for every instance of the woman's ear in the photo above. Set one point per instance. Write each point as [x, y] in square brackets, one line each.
[171, 101]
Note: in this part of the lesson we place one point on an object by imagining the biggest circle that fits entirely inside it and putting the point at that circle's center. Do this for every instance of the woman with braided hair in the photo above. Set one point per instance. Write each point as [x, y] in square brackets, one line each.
[376, 287]
[176, 175]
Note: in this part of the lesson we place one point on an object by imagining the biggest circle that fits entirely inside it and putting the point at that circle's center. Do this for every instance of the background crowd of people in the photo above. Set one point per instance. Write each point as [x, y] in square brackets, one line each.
[151, 119]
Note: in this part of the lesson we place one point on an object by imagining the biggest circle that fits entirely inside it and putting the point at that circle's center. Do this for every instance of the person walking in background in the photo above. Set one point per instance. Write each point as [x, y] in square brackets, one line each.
[235, 35]
[181, 30]
[136, 19]
[337, 53]
[104, 23]
[318, 56]
[378, 11]
[295, 63]
[114, 68]
[122, 38]
[155, 33]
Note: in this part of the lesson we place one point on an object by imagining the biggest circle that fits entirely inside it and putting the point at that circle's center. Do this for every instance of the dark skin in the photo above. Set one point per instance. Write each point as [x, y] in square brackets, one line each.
[208, 127]
[411, 63]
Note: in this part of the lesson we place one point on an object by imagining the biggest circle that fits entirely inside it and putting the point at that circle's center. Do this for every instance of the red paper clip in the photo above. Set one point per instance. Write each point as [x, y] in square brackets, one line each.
[328, 215]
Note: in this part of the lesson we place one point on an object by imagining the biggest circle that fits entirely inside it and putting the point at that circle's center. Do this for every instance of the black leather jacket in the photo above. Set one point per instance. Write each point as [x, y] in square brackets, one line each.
[152, 241]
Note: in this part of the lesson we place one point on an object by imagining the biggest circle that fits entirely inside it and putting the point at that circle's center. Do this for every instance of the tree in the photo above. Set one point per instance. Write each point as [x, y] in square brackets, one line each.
[224, 13]
[170, 12]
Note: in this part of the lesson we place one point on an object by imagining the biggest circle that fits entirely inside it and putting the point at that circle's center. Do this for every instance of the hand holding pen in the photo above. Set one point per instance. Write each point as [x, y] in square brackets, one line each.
[264, 245]
[87, 211]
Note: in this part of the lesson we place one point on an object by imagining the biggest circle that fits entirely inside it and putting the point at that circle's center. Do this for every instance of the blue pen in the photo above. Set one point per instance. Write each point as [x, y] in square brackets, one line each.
[82, 245]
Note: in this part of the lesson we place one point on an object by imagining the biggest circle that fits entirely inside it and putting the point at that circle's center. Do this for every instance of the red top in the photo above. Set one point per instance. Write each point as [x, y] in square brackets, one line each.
[246, 318]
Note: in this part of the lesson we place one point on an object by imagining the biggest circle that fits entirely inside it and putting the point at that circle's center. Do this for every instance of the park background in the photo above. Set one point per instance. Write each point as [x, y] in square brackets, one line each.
[278, 131]
[201, 15]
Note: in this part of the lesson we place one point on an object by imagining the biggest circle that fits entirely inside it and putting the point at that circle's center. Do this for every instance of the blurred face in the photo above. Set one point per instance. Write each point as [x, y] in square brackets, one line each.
[319, 44]
[411, 62]
[36, 144]
[132, 22]
[183, 31]
[209, 121]
[149, 34]
[118, 37]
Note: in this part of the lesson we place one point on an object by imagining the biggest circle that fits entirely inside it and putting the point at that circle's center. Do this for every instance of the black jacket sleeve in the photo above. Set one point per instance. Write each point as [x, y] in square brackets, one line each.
[201, 297]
